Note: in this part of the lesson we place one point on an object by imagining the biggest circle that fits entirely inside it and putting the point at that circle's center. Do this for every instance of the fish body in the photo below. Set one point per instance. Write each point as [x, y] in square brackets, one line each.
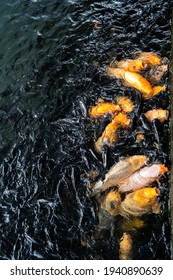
[103, 109]
[140, 202]
[120, 171]
[110, 136]
[125, 247]
[137, 82]
[142, 178]
[132, 65]
[121, 120]
[125, 104]
[149, 58]
[131, 225]
[161, 115]
[111, 203]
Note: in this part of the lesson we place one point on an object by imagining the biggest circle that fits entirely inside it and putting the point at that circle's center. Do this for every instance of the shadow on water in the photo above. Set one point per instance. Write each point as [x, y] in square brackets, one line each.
[52, 69]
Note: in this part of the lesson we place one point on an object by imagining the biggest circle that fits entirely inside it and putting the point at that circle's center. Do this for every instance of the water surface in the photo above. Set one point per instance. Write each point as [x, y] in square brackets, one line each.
[52, 60]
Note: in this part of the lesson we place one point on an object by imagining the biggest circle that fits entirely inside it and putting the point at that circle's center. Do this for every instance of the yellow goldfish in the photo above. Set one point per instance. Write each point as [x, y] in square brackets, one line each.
[140, 202]
[125, 247]
[109, 137]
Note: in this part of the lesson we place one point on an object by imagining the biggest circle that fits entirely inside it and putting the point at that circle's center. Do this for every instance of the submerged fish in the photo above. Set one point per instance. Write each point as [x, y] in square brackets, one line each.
[131, 225]
[120, 171]
[125, 104]
[142, 178]
[109, 208]
[110, 136]
[132, 65]
[121, 120]
[161, 115]
[111, 202]
[149, 58]
[103, 109]
[139, 137]
[158, 89]
[140, 202]
[136, 81]
[155, 74]
[125, 247]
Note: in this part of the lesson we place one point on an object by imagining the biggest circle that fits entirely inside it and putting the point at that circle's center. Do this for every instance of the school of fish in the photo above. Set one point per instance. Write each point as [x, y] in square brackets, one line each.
[130, 187]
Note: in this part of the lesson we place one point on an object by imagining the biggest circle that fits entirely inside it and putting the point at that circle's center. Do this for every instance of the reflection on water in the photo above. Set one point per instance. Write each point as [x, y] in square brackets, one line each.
[52, 69]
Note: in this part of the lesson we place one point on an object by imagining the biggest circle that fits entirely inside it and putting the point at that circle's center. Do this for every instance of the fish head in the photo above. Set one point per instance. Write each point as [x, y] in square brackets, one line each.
[146, 197]
[112, 202]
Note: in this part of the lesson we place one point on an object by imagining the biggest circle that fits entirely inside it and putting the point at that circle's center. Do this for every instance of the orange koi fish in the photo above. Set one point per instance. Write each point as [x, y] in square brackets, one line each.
[125, 247]
[161, 115]
[139, 137]
[136, 81]
[103, 109]
[110, 136]
[125, 104]
[149, 58]
[142, 178]
[121, 119]
[140, 202]
[132, 65]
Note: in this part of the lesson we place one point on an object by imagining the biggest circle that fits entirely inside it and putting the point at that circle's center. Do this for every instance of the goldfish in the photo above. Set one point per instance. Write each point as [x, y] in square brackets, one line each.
[125, 247]
[149, 58]
[139, 137]
[121, 119]
[111, 202]
[132, 65]
[161, 115]
[140, 202]
[110, 136]
[142, 178]
[119, 73]
[156, 73]
[120, 171]
[109, 208]
[132, 225]
[125, 104]
[103, 109]
[136, 81]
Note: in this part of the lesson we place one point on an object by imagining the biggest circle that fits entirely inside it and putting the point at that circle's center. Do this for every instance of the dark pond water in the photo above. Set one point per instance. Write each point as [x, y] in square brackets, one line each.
[52, 54]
